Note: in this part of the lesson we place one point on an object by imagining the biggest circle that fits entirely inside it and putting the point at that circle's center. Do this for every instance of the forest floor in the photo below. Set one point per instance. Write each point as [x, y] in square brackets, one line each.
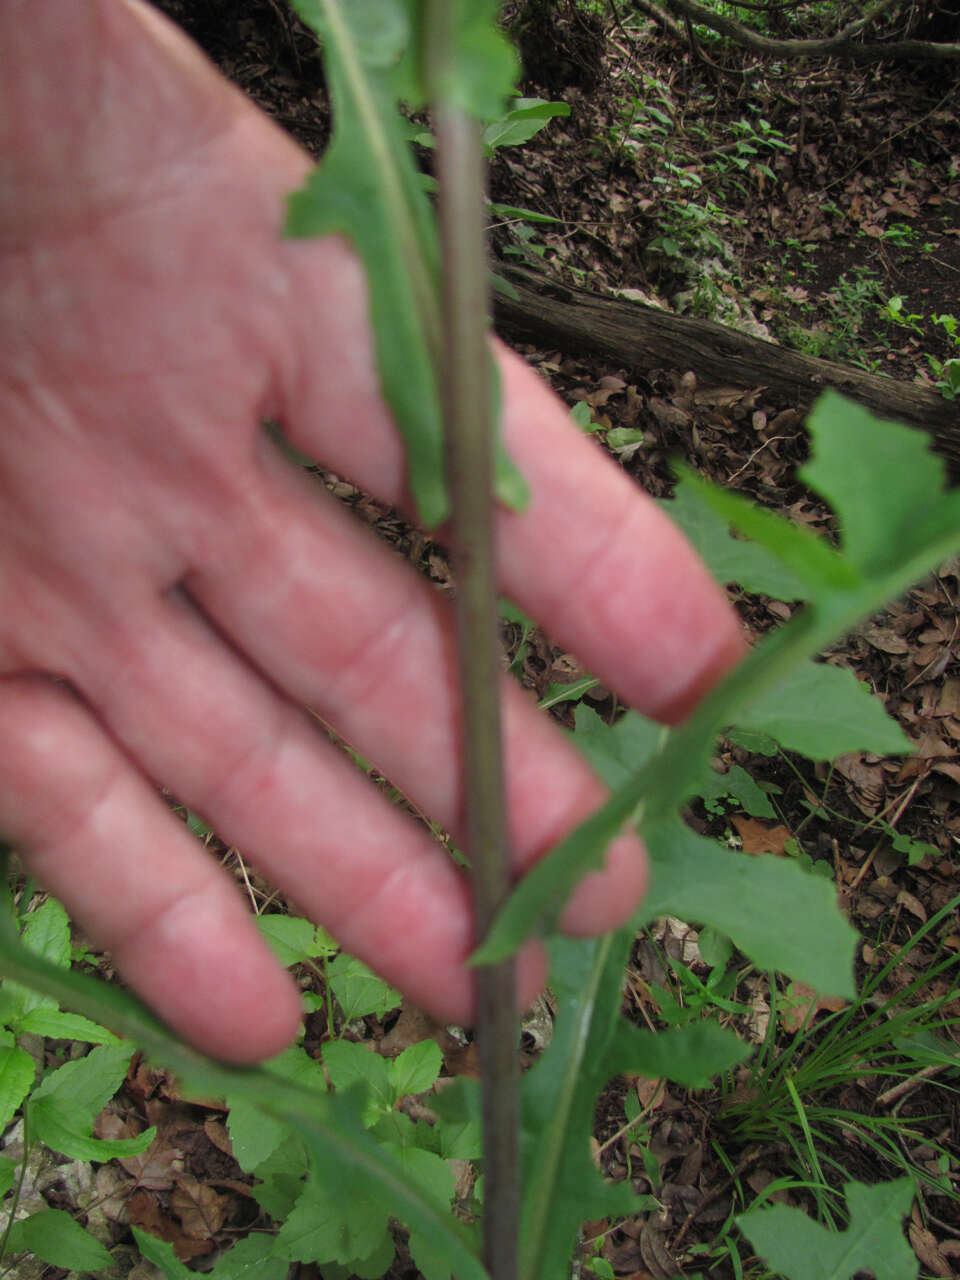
[796, 203]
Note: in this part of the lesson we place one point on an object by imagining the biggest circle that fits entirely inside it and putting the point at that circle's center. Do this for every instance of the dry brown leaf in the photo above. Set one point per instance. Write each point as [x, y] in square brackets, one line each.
[885, 639]
[759, 838]
[412, 1026]
[218, 1135]
[805, 1004]
[144, 1211]
[113, 1189]
[200, 1209]
[912, 904]
[157, 1168]
[948, 704]
[948, 770]
[925, 1246]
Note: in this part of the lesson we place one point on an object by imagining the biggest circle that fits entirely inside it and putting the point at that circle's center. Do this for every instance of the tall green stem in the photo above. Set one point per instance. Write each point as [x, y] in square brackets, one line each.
[468, 412]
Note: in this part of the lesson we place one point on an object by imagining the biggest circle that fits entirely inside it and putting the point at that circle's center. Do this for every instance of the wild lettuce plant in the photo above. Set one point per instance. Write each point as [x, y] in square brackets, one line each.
[294, 1134]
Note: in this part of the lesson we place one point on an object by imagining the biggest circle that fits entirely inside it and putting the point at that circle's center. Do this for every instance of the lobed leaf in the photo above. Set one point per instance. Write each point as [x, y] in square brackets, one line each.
[691, 1056]
[880, 478]
[730, 559]
[294, 940]
[737, 784]
[798, 1248]
[250, 1259]
[328, 1226]
[779, 915]
[824, 712]
[841, 595]
[811, 559]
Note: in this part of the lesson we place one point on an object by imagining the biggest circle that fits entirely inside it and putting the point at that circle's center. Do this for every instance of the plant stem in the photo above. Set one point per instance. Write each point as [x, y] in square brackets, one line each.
[468, 411]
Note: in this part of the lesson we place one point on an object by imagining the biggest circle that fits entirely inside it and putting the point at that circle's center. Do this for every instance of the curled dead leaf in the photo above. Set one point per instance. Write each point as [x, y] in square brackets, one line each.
[200, 1209]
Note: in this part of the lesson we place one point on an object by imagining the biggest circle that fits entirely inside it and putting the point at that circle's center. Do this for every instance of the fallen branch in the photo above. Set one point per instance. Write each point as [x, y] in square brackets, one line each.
[642, 338]
[843, 45]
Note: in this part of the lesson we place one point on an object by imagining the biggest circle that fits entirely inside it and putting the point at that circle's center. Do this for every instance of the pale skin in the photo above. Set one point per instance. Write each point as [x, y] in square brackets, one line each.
[173, 593]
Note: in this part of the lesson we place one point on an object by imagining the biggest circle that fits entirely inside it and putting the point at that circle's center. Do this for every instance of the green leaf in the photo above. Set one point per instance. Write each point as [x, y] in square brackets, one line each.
[379, 30]
[8, 1171]
[482, 68]
[367, 188]
[161, 1255]
[842, 597]
[88, 1083]
[691, 1056]
[416, 1069]
[351, 1065]
[371, 1267]
[582, 415]
[799, 1248]
[562, 1186]
[327, 1226]
[858, 457]
[824, 712]
[294, 940]
[737, 784]
[358, 990]
[68, 1129]
[47, 933]
[616, 751]
[250, 1259]
[557, 693]
[620, 438]
[47, 1021]
[522, 122]
[54, 1237]
[811, 559]
[458, 1128]
[280, 1178]
[16, 1077]
[760, 744]
[730, 559]
[522, 215]
[254, 1135]
[777, 914]
[428, 1171]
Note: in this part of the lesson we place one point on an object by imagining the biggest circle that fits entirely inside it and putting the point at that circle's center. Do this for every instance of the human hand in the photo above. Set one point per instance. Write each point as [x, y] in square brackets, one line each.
[173, 593]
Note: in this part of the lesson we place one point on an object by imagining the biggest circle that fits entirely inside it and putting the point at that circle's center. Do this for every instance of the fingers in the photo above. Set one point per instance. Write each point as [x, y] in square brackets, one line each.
[345, 627]
[229, 746]
[135, 879]
[592, 558]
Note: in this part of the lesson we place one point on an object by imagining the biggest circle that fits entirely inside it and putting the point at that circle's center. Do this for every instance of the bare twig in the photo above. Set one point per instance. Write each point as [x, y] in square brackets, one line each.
[910, 1085]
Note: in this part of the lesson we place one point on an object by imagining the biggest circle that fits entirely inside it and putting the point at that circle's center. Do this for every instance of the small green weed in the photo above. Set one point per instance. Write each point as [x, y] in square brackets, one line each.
[810, 1097]
[58, 1103]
